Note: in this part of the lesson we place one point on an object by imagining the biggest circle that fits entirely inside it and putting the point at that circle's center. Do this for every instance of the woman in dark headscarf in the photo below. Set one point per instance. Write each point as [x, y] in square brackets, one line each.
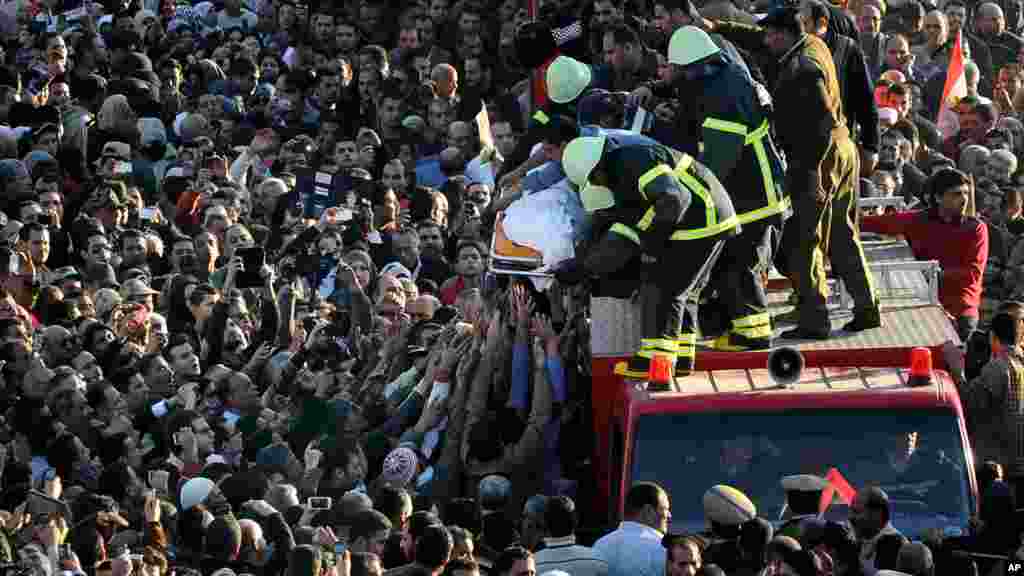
[179, 316]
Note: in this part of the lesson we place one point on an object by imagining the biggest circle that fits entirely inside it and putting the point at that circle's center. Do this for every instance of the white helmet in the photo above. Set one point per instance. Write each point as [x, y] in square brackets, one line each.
[566, 79]
[579, 159]
[690, 44]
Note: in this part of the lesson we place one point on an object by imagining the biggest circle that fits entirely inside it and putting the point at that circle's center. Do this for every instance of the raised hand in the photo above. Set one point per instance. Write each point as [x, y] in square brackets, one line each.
[541, 328]
[494, 328]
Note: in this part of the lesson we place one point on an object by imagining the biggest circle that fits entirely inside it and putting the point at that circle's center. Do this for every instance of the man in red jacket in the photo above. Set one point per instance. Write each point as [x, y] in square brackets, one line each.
[945, 233]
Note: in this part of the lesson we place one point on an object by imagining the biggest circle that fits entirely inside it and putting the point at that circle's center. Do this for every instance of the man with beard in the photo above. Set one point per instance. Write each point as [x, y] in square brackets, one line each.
[96, 250]
[192, 439]
[407, 248]
[975, 120]
[34, 239]
[289, 108]
[891, 159]
[183, 255]
[134, 252]
[67, 400]
[164, 397]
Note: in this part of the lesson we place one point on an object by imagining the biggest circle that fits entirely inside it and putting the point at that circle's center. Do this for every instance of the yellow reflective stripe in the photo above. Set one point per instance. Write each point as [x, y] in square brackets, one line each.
[645, 353]
[756, 332]
[650, 175]
[755, 215]
[725, 126]
[658, 344]
[647, 220]
[623, 230]
[727, 224]
[688, 351]
[758, 134]
[753, 326]
[687, 339]
[541, 117]
[713, 227]
[752, 320]
[684, 163]
[698, 189]
[632, 374]
[766, 172]
[756, 138]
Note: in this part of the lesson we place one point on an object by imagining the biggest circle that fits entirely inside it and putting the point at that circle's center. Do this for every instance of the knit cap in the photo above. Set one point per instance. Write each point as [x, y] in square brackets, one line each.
[399, 466]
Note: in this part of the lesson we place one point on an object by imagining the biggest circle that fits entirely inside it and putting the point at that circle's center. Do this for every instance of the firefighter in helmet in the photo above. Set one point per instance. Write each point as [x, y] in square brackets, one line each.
[647, 200]
[728, 111]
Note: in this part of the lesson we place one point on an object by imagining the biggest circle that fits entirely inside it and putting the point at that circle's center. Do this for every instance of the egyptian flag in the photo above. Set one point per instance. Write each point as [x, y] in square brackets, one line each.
[954, 91]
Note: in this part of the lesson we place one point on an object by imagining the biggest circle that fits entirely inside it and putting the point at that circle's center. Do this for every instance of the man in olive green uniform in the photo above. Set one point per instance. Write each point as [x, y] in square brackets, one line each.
[647, 200]
[822, 178]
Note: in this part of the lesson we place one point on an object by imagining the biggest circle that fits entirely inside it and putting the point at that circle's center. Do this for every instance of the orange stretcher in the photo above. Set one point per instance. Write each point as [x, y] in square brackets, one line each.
[510, 258]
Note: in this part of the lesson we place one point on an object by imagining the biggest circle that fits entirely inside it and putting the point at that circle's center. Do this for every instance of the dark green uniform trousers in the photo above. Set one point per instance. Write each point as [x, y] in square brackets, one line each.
[824, 222]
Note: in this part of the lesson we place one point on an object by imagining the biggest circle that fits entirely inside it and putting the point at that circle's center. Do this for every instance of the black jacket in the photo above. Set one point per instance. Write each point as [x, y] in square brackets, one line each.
[856, 88]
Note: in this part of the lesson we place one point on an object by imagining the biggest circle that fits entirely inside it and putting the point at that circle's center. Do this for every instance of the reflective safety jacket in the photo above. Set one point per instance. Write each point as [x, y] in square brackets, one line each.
[733, 113]
[661, 196]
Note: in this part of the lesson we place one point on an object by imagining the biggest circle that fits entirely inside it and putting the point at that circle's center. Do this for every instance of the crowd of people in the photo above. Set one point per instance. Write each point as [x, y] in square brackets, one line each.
[246, 321]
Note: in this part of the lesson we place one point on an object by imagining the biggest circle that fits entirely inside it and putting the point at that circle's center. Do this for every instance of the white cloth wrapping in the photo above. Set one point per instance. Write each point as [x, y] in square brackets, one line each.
[546, 221]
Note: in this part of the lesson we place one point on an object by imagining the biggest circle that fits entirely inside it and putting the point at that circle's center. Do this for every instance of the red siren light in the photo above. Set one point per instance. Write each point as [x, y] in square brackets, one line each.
[660, 371]
[920, 367]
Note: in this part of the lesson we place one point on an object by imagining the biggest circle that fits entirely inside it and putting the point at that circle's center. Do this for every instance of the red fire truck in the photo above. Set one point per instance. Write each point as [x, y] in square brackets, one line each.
[852, 413]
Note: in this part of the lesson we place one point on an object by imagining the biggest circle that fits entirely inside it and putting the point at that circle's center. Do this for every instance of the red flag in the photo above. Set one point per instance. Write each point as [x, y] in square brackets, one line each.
[954, 90]
[837, 484]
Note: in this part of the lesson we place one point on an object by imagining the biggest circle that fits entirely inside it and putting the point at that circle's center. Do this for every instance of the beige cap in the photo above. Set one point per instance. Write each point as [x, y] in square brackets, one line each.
[804, 483]
[728, 506]
[136, 287]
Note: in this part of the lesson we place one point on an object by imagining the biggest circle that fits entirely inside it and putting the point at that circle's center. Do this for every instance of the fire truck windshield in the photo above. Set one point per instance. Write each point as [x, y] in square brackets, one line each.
[916, 456]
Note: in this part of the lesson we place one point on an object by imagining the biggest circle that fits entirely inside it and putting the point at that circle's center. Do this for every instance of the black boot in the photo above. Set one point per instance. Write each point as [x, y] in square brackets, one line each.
[865, 320]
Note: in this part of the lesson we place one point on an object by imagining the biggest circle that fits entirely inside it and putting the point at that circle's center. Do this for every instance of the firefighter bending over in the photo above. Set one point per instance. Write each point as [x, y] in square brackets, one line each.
[668, 207]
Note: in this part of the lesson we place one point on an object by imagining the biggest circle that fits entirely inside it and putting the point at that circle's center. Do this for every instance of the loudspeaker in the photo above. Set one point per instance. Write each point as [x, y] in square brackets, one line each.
[785, 365]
